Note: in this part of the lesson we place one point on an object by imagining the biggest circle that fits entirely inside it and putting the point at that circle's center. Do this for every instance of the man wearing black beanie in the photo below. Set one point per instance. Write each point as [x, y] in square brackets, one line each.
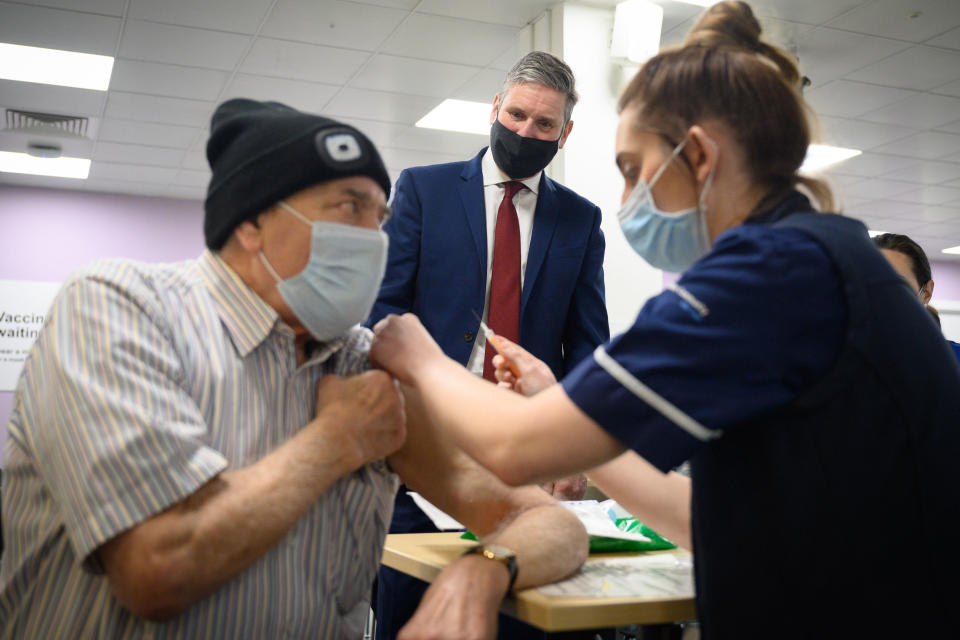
[201, 449]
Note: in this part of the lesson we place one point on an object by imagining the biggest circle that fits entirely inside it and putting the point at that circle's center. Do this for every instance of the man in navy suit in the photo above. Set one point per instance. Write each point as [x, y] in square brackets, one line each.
[494, 236]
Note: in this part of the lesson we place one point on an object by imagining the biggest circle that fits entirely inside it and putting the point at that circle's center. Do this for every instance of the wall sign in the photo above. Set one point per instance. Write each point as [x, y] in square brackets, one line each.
[23, 308]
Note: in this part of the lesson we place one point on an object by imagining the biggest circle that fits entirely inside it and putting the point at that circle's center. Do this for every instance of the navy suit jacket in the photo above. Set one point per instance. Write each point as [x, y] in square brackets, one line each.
[437, 265]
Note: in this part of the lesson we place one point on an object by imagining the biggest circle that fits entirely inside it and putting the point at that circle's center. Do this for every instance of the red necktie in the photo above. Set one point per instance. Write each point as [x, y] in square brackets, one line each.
[504, 310]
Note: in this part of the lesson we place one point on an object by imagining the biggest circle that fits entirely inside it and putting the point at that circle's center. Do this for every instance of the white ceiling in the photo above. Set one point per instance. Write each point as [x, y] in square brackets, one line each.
[885, 79]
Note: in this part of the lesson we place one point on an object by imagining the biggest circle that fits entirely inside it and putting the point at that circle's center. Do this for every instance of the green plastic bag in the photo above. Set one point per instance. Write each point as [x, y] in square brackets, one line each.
[615, 545]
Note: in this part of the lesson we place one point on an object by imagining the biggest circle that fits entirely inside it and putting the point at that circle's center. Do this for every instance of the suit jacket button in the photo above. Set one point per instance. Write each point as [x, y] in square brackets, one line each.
[468, 336]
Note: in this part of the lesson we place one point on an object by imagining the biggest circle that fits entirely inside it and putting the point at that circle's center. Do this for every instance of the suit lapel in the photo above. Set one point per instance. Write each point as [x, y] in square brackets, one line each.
[545, 218]
[471, 195]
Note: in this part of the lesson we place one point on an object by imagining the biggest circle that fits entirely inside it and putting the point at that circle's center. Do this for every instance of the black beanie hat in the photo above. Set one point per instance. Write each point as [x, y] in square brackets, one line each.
[262, 152]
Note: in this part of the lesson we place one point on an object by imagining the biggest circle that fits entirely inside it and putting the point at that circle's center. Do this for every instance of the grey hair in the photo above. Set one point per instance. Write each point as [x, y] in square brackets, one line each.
[540, 67]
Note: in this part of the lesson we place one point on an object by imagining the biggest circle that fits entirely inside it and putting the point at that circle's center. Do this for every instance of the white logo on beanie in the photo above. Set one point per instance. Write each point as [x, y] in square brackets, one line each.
[342, 147]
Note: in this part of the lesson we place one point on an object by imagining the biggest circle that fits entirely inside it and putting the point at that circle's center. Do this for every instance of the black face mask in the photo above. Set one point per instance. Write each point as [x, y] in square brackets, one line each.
[520, 157]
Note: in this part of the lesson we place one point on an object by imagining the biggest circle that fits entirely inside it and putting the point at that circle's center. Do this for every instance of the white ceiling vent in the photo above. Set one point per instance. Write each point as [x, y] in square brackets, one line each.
[49, 124]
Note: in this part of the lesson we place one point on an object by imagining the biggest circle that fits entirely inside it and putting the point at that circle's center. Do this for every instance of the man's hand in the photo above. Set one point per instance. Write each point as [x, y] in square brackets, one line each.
[402, 346]
[461, 604]
[363, 415]
[535, 375]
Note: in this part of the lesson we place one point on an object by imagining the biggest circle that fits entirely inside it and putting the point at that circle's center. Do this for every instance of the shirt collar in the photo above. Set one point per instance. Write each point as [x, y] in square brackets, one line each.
[247, 317]
[492, 174]
[793, 202]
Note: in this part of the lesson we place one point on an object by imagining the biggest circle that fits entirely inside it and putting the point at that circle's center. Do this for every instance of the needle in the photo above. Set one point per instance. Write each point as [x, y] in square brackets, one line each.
[492, 339]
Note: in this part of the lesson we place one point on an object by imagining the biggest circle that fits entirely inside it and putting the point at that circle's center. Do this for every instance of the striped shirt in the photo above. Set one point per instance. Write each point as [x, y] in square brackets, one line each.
[146, 382]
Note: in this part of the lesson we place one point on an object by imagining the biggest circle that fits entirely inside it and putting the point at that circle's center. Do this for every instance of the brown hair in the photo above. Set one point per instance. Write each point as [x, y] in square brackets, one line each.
[919, 264]
[725, 72]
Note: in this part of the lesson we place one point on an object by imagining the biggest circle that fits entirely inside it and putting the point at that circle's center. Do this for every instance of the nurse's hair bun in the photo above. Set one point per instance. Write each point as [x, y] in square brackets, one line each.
[733, 24]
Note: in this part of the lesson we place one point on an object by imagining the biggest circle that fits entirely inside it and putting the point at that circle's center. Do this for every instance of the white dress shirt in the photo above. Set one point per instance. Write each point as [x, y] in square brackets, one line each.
[525, 202]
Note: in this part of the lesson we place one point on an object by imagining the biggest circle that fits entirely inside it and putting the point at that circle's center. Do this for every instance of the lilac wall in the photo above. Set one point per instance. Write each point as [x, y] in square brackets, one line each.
[946, 280]
[47, 233]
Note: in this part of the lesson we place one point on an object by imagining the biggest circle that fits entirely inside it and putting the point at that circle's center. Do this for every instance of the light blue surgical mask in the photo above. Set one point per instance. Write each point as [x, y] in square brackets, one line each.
[339, 285]
[672, 241]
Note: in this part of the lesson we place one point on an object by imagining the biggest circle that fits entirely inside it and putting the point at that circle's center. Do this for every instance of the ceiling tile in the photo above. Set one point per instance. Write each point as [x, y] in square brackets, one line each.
[918, 67]
[950, 39]
[377, 105]
[807, 12]
[238, 16]
[846, 99]
[899, 20]
[196, 160]
[878, 211]
[306, 96]
[451, 142]
[410, 75]
[861, 135]
[928, 145]
[921, 111]
[157, 135]
[839, 181]
[184, 192]
[521, 46]
[879, 188]
[58, 29]
[299, 61]
[515, 13]
[930, 195]
[950, 89]
[46, 98]
[135, 106]
[395, 4]
[137, 154]
[382, 133]
[131, 173]
[333, 23]
[170, 80]
[829, 54]
[928, 173]
[105, 7]
[181, 45]
[869, 165]
[188, 178]
[481, 87]
[450, 40]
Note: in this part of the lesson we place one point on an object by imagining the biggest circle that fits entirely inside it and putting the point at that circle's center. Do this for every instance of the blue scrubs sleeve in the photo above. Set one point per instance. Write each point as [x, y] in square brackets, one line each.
[746, 330]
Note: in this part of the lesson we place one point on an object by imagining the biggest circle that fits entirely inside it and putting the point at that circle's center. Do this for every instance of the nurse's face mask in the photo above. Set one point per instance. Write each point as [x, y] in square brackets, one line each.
[339, 285]
[672, 241]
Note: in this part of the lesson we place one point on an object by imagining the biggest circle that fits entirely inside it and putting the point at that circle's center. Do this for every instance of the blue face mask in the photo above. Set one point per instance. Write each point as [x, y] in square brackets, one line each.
[672, 241]
[339, 285]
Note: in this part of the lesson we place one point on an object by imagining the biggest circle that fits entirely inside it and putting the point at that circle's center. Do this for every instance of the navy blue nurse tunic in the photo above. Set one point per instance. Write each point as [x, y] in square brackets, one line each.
[819, 407]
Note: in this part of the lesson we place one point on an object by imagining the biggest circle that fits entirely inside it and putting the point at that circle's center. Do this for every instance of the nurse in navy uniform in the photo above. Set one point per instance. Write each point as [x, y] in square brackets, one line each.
[815, 400]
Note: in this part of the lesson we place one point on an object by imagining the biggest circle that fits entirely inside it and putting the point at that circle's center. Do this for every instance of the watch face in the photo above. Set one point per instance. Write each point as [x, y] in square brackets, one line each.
[496, 552]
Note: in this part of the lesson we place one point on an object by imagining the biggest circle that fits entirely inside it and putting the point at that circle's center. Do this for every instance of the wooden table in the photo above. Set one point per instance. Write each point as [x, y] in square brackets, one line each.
[423, 556]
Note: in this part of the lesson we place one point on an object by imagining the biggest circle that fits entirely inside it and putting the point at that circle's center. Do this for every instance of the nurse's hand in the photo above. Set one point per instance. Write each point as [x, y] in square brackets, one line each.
[535, 375]
[402, 347]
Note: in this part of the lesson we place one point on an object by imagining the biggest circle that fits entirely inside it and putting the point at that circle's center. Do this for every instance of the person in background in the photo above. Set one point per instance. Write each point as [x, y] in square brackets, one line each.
[494, 237]
[814, 399]
[200, 449]
[909, 260]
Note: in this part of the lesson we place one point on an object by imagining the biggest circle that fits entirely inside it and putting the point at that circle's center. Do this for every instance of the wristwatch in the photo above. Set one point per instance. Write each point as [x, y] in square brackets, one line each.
[500, 554]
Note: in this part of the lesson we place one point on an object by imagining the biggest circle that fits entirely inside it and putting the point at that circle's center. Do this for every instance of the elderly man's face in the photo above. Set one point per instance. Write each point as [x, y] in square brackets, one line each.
[533, 111]
[357, 201]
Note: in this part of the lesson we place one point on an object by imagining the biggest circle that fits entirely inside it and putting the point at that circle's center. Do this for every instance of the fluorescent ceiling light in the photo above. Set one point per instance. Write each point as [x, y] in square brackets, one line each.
[874, 233]
[57, 167]
[52, 66]
[636, 30]
[821, 156]
[953, 250]
[459, 115]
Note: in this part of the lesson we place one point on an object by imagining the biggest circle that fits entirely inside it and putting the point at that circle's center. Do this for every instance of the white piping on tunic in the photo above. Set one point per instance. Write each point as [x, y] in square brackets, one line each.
[651, 397]
[690, 299]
